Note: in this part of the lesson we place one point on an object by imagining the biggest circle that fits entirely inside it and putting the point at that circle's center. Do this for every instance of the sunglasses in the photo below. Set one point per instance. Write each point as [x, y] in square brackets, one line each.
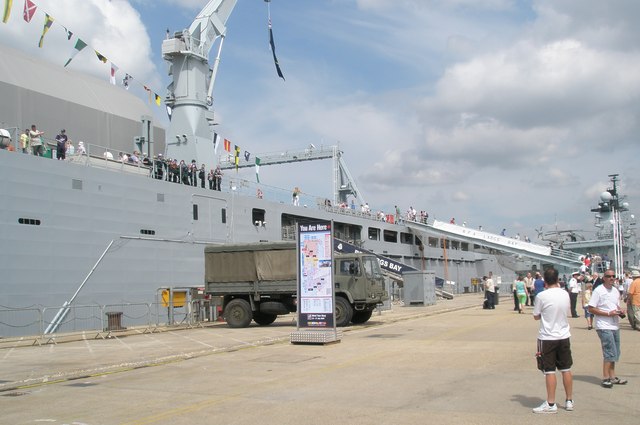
[609, 275]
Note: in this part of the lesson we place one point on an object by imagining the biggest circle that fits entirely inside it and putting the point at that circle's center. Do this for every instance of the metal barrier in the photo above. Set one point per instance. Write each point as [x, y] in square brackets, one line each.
[20, 326]
[15, 322]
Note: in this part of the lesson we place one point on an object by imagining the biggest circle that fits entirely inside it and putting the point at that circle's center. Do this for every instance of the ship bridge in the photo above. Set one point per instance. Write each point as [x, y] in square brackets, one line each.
[542, 253]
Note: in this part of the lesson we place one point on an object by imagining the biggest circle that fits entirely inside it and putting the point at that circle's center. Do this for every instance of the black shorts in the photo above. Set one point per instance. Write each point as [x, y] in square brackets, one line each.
[555, 354]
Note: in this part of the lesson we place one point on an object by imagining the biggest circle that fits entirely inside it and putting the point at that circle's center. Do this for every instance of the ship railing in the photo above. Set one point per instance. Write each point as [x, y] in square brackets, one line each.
[323, 204]
[27, 326]
[104, 157]
[564, 254]
[107, 158]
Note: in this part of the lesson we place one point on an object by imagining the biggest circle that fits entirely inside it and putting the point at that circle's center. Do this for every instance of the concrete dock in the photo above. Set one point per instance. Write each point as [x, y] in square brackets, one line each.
[450, 363]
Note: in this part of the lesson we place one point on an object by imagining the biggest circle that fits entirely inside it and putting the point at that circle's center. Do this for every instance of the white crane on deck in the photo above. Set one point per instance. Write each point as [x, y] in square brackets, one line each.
[189, 96]
[343, 183]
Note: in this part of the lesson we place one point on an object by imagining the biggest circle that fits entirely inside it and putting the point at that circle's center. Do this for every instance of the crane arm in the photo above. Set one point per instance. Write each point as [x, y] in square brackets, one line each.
[209, 25]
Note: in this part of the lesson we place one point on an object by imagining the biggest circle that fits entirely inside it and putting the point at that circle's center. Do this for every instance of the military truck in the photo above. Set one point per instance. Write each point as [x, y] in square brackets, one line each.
[258, 281]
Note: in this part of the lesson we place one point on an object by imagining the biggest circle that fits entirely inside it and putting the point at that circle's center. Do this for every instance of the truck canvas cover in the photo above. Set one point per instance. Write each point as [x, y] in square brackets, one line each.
[269, 261]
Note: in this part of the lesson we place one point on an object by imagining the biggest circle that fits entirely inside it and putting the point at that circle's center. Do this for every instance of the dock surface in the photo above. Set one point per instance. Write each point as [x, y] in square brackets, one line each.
[450, 363]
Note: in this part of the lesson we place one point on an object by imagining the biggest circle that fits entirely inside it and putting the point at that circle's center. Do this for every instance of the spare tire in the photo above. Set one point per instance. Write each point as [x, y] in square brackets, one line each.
[264, 319]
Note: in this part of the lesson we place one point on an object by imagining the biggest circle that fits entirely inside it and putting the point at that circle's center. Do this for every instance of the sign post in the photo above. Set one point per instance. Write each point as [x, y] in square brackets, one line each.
[316, 322]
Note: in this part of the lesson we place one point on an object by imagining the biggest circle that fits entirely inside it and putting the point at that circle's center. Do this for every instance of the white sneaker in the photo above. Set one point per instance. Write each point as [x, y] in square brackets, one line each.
[545, 408]
[568, 406]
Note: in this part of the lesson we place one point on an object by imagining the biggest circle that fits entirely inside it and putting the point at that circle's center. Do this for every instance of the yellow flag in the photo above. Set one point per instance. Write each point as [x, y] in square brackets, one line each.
[48, 21]
[7, 10]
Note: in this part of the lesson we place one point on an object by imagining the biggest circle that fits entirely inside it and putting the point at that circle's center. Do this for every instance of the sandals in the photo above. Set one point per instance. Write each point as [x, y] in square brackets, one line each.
[619, 381]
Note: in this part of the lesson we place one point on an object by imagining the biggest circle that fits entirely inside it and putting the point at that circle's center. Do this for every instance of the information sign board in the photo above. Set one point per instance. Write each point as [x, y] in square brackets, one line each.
[316, 295]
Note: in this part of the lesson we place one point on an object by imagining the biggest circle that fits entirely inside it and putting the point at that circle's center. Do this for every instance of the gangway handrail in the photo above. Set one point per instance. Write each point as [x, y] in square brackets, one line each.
[503, 243]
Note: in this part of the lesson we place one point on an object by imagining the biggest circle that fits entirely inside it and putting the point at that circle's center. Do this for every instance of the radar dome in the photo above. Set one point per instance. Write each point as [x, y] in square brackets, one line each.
[605, 196]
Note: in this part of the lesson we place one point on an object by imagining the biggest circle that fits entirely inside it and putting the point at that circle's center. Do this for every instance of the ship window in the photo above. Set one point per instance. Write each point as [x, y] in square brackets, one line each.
[347, 232]
[464, 246]
[374, 234]
[390, 236]
[418, 241]
[433, 242]
[455, 245]
[29, 221]
[147, 232]
[76, 184]
[223, 215]
[257, 217]
[195, 212]
[444, 243]
[406, 238]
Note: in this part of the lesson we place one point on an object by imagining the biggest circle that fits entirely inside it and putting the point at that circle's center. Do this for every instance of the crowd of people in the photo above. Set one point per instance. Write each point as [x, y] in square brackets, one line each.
[175, 171]
[31, 142]
[555, 301]
[396, 217]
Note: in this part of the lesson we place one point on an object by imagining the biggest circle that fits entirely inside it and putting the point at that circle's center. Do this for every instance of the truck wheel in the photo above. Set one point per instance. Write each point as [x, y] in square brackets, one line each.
[344, 312]
[360, 317]
[264, 319]
[238, 313]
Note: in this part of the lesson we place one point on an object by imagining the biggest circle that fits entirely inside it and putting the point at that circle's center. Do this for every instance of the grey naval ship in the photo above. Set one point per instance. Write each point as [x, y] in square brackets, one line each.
[94, 230]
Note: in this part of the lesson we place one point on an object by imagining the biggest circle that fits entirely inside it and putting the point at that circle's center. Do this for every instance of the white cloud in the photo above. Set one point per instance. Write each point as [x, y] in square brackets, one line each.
[113, 28]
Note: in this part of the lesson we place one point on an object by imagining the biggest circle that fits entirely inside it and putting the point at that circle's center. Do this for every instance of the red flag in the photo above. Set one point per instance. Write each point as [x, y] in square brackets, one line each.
[29, 10]
[114, 69]
[227, 145]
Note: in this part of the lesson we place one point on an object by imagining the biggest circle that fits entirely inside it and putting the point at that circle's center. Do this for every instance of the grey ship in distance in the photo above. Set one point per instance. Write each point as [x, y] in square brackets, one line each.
[120, 234]
[614, 235]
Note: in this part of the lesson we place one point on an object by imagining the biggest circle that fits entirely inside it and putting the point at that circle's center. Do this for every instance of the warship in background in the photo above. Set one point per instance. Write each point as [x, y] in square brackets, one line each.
[92, 230]
[614, 242]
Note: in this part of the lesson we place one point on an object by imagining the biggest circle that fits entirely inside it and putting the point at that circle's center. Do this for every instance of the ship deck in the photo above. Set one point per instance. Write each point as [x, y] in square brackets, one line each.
[450, 363]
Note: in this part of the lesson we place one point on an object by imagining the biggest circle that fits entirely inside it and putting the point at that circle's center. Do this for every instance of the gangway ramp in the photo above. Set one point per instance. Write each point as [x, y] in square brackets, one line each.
[542, 253]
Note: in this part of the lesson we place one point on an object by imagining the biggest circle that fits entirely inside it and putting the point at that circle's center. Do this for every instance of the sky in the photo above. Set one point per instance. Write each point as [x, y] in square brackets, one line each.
[501, 113]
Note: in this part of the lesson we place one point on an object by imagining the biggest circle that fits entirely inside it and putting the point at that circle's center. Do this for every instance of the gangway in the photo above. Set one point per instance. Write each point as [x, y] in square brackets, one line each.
[542, 253]
[343, 182]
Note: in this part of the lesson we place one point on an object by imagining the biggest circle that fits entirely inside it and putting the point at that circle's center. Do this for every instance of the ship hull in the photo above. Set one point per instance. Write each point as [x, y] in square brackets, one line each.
[59, 217]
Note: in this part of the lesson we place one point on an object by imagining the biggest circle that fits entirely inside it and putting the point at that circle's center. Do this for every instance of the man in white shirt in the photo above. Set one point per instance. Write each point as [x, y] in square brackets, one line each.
[554, 343]
[605, 305]
[575, 286]
[490, 292]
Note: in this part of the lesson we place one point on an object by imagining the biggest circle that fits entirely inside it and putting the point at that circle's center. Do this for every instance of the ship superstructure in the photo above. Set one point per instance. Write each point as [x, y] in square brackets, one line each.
[615, 238]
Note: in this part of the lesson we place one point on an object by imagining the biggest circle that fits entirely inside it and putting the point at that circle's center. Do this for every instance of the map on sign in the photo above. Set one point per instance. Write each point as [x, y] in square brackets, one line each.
[316, 285]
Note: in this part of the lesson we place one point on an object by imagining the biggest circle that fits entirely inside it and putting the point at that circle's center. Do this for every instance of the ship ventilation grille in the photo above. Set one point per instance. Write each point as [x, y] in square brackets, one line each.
[76, 184]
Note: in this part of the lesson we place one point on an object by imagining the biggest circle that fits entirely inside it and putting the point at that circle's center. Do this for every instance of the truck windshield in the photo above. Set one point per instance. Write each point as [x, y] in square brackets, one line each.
[372, 267]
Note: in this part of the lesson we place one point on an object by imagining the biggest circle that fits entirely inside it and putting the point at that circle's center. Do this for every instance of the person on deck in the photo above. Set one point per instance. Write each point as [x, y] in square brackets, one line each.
[36, 141]
[61, 145]
[25, 141]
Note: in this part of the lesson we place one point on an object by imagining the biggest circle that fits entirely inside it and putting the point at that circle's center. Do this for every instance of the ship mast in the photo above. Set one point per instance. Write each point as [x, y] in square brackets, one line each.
[618, 237]
[610, 222]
